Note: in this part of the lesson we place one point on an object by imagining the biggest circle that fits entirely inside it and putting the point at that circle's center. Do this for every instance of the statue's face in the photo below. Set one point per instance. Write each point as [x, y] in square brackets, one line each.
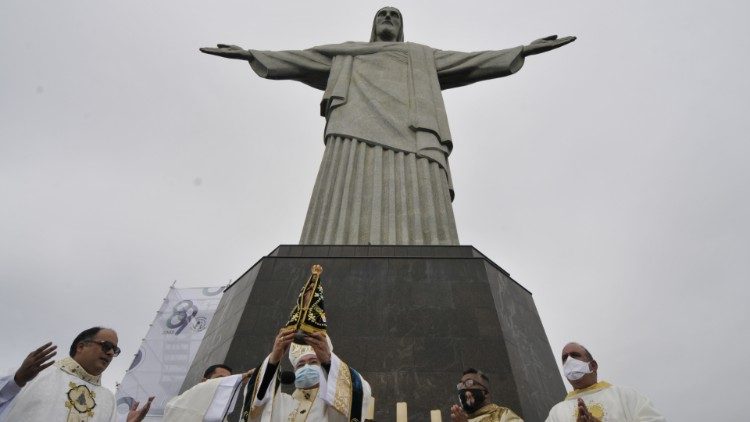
[387, 24]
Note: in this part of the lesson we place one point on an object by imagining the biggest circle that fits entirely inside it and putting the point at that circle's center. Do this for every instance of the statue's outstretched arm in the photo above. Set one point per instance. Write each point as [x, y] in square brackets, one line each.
[545, 44]
[307, 66]
[228, 51]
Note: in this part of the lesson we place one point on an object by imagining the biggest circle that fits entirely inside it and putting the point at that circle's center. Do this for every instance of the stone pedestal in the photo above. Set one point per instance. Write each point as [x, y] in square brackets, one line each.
[410, 319]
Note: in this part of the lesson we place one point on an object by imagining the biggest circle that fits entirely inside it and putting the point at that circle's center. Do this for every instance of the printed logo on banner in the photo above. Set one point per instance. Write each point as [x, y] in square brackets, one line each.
[182, 313]
[199, 324]
[160, 366]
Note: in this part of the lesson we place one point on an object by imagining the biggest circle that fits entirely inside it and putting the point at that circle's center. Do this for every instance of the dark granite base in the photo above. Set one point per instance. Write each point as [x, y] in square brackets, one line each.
[410, 319]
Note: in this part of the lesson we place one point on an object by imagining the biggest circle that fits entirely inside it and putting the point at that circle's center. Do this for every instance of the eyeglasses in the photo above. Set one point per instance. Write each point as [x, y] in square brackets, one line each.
[465, 385]
[107, 346]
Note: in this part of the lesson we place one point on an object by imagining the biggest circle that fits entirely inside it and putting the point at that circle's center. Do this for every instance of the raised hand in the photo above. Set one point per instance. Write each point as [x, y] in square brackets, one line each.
[458, 414]
[281, 345]
[228, 51]
[546, 44]
[35, 362]
[320, 345]
[137, 415]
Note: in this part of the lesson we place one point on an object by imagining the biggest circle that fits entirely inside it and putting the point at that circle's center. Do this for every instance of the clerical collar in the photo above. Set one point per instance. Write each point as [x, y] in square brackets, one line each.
[601, 385]
[72, 367]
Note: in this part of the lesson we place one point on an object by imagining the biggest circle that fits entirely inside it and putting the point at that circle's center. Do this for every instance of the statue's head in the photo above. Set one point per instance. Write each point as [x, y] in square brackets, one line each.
[388, 25]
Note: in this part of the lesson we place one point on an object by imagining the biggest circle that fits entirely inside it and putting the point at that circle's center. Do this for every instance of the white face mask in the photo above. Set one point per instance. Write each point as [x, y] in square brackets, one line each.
[575, 369]
[306, 376]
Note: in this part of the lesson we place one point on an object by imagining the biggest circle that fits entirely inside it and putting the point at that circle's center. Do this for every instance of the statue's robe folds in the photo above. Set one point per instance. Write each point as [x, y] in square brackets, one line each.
[385, 177]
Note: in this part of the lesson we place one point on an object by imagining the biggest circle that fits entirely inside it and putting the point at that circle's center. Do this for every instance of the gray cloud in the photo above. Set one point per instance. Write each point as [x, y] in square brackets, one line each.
[608, 177]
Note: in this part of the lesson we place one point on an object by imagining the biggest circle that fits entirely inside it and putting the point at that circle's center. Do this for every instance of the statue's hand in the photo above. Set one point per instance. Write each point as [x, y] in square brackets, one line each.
[546, 44]
[228, 51]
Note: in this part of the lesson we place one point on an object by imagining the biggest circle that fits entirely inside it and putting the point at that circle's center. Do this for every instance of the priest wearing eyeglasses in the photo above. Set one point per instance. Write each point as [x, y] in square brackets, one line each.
[476, 406]
[69, 389]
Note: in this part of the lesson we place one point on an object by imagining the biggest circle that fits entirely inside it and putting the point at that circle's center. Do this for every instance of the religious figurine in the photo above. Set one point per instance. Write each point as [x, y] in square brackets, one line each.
[384, 178]
[308, 315]
[327, 389]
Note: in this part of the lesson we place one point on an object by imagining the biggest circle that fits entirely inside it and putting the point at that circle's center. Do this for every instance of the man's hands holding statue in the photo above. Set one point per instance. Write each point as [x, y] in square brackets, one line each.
[319, 344]
[280, 346]
[285, 337]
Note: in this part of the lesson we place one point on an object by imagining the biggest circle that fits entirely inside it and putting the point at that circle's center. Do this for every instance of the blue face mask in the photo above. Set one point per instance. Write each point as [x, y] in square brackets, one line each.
[306, 376]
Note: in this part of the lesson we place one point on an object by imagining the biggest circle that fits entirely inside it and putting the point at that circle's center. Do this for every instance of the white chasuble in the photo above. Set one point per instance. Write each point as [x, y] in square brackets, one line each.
[208, 401]
[608, 403]
[342, 396]
[64, 392]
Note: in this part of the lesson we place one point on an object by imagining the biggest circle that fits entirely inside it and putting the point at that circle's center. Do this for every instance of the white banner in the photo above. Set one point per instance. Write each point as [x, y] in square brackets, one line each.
[163, 360]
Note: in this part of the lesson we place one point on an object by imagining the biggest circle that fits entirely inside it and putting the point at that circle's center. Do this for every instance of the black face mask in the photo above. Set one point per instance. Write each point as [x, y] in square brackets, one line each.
[478, 400]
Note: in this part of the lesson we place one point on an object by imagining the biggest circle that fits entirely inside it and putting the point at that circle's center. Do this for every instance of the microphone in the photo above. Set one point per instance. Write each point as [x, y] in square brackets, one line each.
[287, 377]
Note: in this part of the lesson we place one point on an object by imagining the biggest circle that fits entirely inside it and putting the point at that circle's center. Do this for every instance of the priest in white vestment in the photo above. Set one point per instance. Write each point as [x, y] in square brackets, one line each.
[593, 400]
[208, 401]
[211, 400]
[326, 388]
[70, 390]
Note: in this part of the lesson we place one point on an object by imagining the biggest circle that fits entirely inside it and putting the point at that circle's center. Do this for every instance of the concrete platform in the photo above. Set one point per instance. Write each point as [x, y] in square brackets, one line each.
[410, 319]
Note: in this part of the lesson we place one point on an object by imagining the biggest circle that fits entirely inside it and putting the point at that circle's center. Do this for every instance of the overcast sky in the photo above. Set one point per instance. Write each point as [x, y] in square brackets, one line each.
[608, 177]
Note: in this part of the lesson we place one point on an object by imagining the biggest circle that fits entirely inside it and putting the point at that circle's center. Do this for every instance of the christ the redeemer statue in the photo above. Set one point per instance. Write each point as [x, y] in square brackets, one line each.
[384, 179]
